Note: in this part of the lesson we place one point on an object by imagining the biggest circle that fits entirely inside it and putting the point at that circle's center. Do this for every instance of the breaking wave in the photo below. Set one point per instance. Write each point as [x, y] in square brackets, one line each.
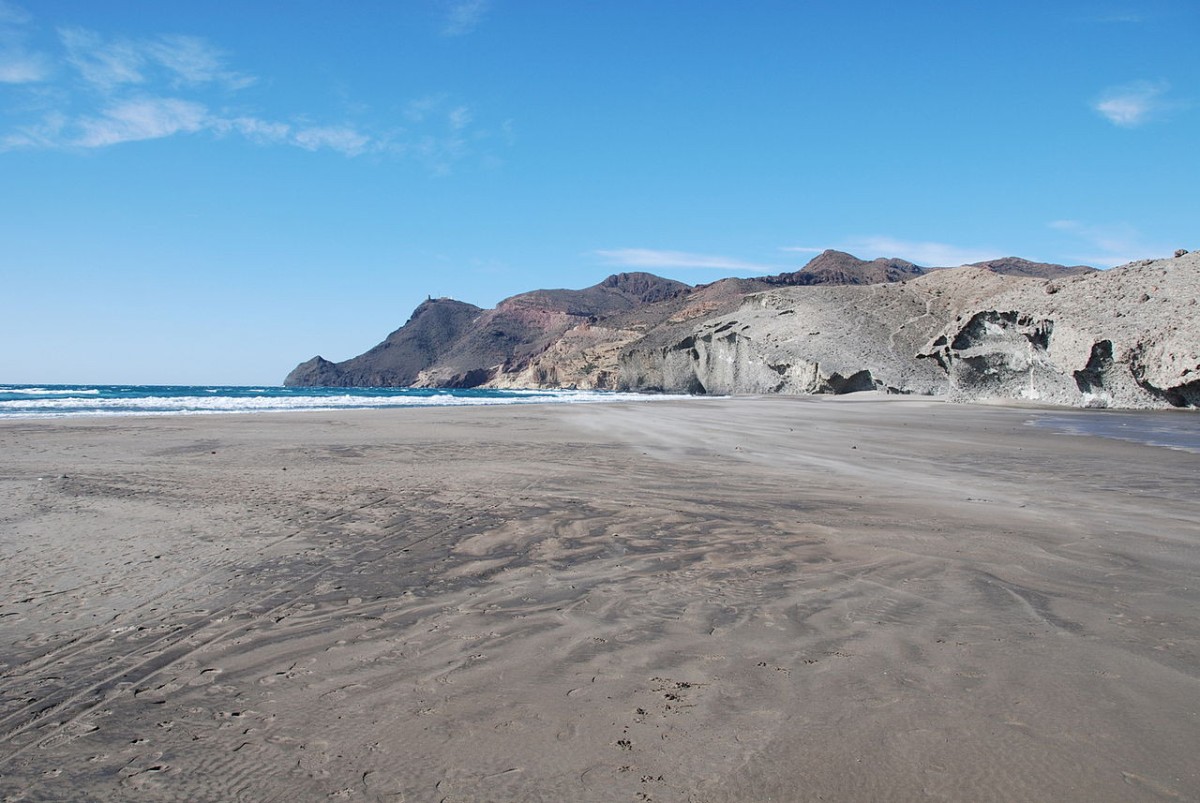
[125, 400]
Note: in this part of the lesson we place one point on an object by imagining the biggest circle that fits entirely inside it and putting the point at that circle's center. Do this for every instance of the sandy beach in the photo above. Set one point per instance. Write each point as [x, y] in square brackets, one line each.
[754, 599]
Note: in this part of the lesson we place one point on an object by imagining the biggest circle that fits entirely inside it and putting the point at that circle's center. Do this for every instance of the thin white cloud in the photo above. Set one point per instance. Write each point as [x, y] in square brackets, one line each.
[1130, 105]
[459, 118]
[341, 139]
[654, 258]
[1107, 245]
[98, 90]
[103, 64]
[148, 118]
[418, 109]
[439, 154]
[45, 133]
[448, 134]
[19, 67]
[263, 132]
[926, 253]
[193, 61]
[464, 16]
[18, 64]
[109, 63]
[336, 138]
[12, 14]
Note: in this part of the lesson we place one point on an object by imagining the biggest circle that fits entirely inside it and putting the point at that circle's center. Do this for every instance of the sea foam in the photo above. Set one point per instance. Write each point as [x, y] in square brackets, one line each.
[124, 400]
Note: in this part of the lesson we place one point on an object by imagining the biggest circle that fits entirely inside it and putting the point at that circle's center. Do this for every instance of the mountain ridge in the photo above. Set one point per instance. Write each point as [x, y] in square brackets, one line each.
[837, 325]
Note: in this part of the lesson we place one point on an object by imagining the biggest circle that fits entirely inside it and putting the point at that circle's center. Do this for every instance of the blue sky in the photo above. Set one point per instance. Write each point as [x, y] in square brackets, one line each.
[212, 192]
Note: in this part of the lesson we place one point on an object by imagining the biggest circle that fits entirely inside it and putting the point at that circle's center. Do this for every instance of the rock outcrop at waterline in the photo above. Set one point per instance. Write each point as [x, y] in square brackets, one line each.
[399, 360]
[1127, 337]
[448, 343]
[1004, 329]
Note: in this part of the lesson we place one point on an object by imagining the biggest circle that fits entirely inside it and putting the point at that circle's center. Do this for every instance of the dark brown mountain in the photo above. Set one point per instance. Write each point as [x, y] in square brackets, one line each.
[448, 343]
[838, 267]
[396, 362]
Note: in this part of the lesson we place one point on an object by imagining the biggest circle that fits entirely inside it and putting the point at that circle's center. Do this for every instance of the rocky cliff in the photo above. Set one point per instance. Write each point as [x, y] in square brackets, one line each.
[1004, 329]
[447, 343]
[399, 360]
[1127, 337]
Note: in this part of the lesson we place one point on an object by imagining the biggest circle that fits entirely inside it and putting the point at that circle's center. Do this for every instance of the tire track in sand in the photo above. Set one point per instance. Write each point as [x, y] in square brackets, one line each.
[71, 703]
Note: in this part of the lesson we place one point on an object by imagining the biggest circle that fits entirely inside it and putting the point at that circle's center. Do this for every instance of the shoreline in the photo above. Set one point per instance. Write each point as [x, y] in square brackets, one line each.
[715, 599]
[1050, 417]
[81, 401]
[84, 401]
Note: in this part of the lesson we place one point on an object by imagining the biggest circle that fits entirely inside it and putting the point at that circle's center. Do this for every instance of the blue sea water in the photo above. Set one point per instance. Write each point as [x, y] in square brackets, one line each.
[61, 401]
[1170, 429]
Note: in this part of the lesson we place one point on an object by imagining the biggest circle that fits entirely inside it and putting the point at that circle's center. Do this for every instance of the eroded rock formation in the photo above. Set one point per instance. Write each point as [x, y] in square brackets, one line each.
[1127, 337]
[1004, 329]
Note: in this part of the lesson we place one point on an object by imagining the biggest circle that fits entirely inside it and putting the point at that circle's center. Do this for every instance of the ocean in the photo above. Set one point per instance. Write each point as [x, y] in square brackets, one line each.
[70, 401]
[1170, 429]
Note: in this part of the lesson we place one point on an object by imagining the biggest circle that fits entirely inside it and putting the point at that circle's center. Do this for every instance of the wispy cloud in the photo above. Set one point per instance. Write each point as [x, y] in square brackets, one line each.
[346, 140]
[653, 258]
[106, 63]
[1109, 244]
[44, 133]
[447, 132]
[419, 109]
[927, 253]
[18, 64]
[464, 16]
[18, 67]
[459, 118]
[12, 14]
[148, 118]
[342, 139]
[194, 61]
[264, 132]
[1130, 105]
[86, 89]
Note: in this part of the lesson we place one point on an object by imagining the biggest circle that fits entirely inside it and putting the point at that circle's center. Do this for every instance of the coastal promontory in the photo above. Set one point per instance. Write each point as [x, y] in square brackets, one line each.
[1128, 337]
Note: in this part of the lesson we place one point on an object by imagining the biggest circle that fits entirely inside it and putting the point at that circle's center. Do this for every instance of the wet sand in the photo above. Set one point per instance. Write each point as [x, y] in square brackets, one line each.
[753, 599]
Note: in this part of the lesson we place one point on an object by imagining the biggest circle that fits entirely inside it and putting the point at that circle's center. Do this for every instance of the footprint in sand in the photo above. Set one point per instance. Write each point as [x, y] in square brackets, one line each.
[205, 677]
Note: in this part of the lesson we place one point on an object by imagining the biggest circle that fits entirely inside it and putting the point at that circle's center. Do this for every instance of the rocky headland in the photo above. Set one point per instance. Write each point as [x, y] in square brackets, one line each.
[1127, 337]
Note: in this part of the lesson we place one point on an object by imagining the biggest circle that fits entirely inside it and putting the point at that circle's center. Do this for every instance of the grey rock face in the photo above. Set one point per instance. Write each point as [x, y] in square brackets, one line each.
[1015, 266]
[998, 355]
[1127, 337]
[1005, 329]
[798, 340]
